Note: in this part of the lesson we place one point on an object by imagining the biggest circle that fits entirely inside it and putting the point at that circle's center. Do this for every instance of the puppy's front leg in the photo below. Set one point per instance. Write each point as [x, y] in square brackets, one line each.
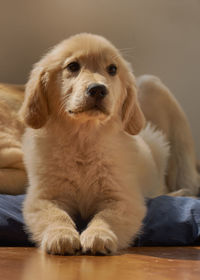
[51, 227]
[114, 227]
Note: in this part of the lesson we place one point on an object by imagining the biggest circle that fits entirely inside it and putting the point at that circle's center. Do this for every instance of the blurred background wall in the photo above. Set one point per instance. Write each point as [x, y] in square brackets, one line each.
[161, 37]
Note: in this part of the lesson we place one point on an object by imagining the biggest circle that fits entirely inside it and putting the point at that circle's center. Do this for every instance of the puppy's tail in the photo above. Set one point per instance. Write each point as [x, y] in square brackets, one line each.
[159, 146]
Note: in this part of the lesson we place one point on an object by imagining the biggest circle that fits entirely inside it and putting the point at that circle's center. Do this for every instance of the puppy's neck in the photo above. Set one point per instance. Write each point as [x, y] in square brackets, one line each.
[82, 133]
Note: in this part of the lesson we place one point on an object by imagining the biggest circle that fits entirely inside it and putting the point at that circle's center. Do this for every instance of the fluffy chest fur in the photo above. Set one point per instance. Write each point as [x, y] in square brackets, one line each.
[80, 173]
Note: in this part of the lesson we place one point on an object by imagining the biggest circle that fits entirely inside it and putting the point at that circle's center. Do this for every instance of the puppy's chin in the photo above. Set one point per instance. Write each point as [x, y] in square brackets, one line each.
[95, 113]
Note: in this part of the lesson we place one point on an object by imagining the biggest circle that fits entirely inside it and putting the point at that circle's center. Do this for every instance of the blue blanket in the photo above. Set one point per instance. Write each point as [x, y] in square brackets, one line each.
[169, 221]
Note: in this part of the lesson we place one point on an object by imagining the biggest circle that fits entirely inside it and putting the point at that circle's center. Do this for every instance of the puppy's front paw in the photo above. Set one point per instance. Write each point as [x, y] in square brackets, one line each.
[98, 240]
[61, 241]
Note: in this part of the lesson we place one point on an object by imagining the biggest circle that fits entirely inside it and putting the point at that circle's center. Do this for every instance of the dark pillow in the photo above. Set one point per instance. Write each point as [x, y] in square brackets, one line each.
[11, 221]
[169, 221]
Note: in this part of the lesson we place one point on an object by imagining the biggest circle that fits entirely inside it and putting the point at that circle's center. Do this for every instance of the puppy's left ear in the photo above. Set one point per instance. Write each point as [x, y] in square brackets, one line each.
[34, 110]
[132, 116]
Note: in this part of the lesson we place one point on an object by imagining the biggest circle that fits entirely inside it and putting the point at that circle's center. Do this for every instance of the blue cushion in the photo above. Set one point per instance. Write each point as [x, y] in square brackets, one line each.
[12, 231]
[169, 221]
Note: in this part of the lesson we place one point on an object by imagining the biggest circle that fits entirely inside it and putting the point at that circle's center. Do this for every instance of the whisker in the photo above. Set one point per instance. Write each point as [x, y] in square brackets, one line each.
[62, 105]
[128, 55]
[115, 56]
[126, 49]
[124, 54]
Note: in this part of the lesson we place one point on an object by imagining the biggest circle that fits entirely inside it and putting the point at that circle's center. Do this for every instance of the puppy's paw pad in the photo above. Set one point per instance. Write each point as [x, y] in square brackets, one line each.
[96, 240]
[61, 241]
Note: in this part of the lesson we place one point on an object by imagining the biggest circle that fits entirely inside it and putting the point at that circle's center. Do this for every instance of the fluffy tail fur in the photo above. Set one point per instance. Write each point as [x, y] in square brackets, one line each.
[159, 146]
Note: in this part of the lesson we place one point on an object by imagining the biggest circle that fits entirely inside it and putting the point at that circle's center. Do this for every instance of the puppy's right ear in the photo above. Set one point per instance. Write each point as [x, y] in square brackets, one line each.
[34, 110]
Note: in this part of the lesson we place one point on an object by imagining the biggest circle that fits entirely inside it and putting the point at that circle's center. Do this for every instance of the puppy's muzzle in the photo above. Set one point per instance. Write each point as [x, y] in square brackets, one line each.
[97, 91]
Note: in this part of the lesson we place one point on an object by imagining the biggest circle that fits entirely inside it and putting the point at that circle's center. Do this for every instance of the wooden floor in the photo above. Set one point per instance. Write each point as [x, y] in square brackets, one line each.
[156, 263]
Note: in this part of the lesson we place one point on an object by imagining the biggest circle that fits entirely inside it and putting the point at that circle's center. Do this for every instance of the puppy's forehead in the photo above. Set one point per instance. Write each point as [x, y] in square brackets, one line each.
[95, 47]
[86, 45]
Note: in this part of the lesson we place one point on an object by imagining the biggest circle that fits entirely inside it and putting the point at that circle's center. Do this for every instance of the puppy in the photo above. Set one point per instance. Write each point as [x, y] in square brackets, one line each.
[82, 150]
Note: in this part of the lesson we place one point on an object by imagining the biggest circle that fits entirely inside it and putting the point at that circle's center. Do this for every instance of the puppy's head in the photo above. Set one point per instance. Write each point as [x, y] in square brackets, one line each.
[83, 78]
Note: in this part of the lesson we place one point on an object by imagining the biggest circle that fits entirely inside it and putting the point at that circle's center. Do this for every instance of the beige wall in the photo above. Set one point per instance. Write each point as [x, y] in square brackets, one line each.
[161, 37]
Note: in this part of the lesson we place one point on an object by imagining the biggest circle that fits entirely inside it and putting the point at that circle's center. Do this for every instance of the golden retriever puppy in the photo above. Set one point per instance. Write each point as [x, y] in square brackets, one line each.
[82, 150]
[90, 154]
[12, 171]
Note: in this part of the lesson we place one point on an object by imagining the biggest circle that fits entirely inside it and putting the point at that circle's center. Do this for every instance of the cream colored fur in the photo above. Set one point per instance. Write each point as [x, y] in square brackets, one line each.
[160, 151]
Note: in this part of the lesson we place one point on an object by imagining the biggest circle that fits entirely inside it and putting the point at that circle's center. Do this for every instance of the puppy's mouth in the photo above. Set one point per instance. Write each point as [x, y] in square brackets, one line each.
[96, 109]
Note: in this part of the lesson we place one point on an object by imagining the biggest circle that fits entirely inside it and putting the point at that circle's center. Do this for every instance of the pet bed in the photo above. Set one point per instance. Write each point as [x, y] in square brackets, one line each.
[170, 221]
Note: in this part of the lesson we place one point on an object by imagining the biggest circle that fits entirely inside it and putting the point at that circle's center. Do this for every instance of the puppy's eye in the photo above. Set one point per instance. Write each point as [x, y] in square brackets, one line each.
[112, 69]
[73, 66]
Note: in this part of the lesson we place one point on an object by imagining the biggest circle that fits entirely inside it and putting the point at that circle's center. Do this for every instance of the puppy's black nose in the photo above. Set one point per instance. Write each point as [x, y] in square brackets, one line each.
[97, 90]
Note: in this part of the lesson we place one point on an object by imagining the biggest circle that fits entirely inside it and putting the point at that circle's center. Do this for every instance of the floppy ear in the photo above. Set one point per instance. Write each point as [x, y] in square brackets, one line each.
[132, 116]
[34, 110]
